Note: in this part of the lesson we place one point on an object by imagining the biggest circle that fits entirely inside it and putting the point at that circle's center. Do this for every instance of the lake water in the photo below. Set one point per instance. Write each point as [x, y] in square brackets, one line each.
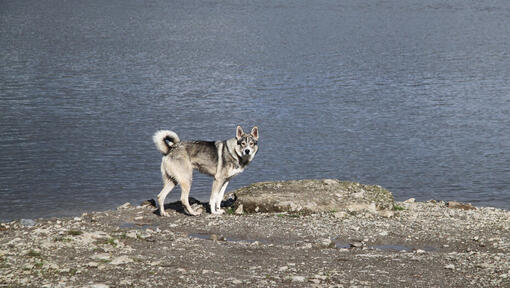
[411, 95]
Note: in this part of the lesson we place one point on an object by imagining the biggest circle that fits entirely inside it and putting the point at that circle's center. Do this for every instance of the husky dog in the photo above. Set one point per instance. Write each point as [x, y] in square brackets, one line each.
[220, 159]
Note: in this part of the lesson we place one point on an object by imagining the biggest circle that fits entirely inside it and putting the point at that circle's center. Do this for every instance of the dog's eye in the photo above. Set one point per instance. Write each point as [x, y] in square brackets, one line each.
[251, 143]
[243, 144]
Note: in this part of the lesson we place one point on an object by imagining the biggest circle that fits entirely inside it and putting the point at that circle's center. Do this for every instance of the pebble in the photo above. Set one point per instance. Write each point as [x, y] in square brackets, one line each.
[450, 267]
[239, 210]
[27, 222]
[356, 245]
[121, 260]
[126, 205]
[97, 285]
[297, 278]
[101, 256]
[327, 243]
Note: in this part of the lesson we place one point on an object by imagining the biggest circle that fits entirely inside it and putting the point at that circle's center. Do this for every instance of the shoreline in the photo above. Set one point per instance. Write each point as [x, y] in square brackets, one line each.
[418, 244]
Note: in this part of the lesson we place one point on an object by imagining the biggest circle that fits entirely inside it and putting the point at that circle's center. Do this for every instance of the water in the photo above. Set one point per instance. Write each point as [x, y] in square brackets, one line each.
[410, 95]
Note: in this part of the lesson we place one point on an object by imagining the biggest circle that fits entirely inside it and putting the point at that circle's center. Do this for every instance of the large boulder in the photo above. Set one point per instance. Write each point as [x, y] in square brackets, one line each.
[311, 196]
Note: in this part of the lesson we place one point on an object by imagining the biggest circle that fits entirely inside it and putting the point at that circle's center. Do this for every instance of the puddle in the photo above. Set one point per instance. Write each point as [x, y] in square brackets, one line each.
[215, 237]
[387, 247]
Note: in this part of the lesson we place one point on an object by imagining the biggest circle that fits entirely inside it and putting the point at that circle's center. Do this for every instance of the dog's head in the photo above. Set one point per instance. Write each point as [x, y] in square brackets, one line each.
[247, 143]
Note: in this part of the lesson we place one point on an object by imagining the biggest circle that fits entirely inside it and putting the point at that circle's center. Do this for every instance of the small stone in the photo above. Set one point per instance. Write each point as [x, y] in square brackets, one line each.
[92, 264]
[327, 243]
[356, 245]
[132, 234]
[97, 285]
[307, 246]
[27, 222]
[124, 206]
[121, 260]
[386, 213]
[148, 203]
[410, 200]
[297, 278]
[283, 268]
[450, 267]
[126, 282]
[330, 181]
[314, 281]
[458, 205]
[420, 251]
[101, 256]
[340, 215]
[239, 210]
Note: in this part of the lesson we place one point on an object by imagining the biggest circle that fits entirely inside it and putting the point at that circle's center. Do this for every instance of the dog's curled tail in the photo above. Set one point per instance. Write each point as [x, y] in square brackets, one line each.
[165, 140]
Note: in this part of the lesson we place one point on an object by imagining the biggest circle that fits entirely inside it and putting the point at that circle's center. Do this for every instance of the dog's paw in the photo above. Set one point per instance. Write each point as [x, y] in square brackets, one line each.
[193, 212]
[164, 214]
[218, 212]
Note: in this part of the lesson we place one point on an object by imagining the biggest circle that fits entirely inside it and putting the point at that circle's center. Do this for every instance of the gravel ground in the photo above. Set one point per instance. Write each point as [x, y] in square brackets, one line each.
[419, 245]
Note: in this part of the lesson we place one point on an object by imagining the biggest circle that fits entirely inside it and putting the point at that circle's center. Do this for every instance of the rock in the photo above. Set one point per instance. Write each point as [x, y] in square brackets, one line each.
[132, 234]
[97, 285]
[340, 214]
[101, 256]
[450, 267]
[458, 205]
[121, 260]
[326, 243]
[239, 210]
[27, 222]
[386, 213]
[149, 203]
[302, 196]
[297, 278]
[92, 264]
[410, 200]
[356, 245]
[124, 206]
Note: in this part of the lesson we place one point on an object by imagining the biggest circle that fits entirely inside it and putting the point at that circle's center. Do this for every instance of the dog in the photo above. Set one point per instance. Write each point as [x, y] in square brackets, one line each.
[219, 159]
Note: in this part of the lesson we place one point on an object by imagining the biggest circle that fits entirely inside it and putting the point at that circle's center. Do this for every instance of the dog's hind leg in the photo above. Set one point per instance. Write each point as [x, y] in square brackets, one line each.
[168, 185]
[186, 187]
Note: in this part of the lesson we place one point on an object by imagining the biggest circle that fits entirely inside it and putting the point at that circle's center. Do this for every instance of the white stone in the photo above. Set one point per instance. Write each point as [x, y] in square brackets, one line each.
[121, 260]
[298, 278]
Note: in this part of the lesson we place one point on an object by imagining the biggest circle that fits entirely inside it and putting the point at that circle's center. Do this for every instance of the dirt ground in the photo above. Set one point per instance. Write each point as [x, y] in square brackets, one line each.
[421, 245]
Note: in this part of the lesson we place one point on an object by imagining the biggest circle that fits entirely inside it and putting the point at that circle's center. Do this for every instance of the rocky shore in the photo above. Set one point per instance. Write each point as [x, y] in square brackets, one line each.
[294, 239]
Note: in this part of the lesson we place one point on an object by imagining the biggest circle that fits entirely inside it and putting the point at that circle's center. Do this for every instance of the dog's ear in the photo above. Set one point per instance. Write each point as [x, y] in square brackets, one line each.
[239, 132]
[255, 132]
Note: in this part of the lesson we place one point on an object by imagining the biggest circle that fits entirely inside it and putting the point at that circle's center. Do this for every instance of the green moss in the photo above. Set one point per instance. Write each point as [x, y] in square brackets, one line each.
[74, 232]
[33, 253]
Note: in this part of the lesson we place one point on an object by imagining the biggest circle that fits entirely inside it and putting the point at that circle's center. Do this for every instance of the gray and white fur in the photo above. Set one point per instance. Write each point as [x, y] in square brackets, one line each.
[220, 159]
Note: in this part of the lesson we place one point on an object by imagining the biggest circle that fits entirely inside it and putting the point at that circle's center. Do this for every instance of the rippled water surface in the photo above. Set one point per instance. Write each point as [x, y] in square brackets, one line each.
[410, 95]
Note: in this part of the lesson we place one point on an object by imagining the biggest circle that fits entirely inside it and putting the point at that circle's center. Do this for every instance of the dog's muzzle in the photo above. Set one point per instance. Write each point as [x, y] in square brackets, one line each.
[247, 152]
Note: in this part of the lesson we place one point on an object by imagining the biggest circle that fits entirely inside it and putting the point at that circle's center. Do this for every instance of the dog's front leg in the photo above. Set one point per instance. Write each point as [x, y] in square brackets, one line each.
[217, 186]
[220, 196]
